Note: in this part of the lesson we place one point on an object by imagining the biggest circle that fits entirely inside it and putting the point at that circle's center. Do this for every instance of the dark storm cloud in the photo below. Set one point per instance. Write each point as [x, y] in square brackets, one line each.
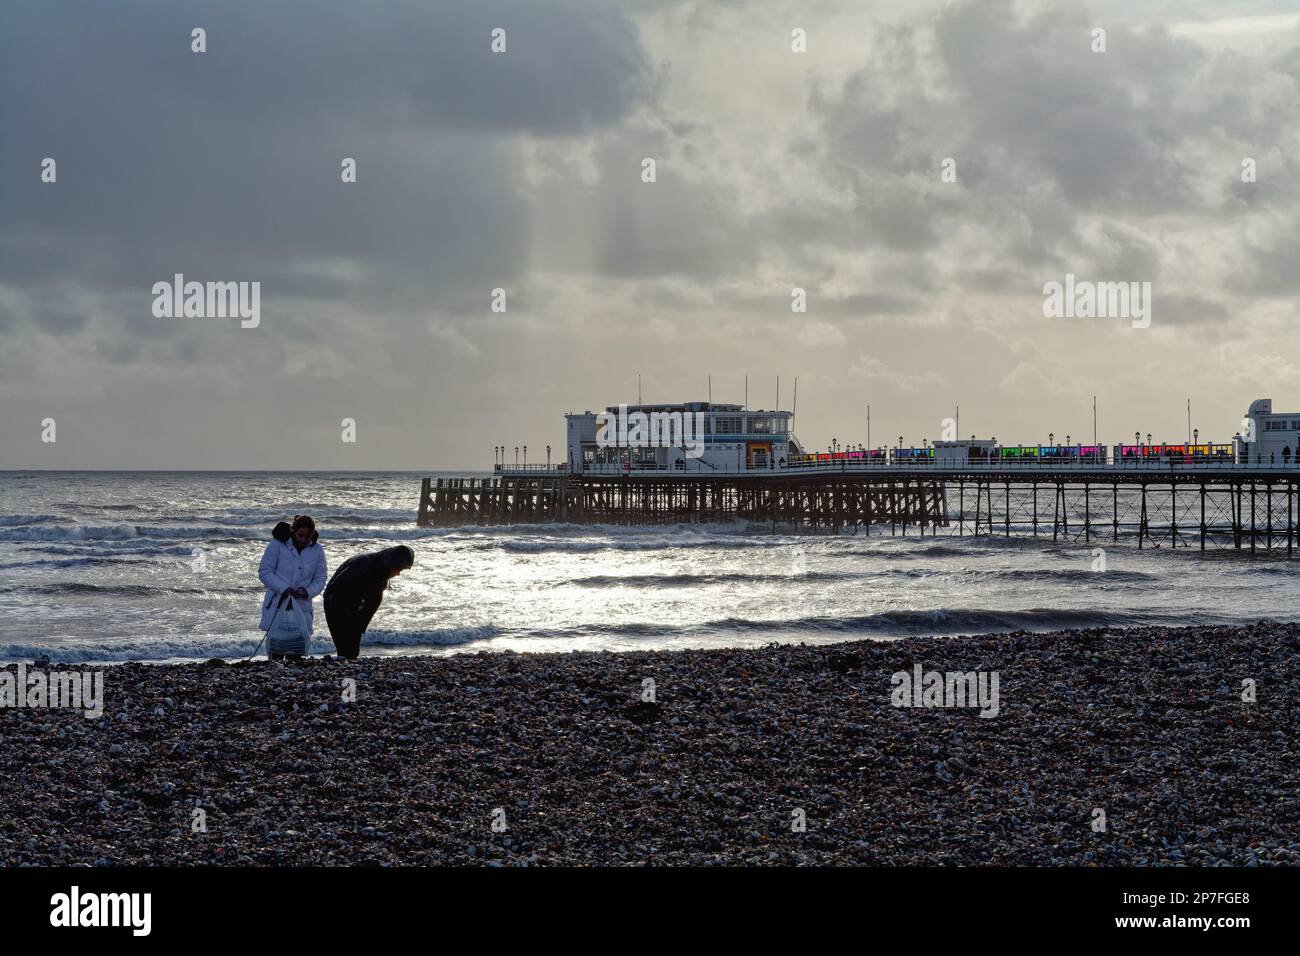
[1103, 127]
[225, 165]
[1273, 269]
[1047, 134]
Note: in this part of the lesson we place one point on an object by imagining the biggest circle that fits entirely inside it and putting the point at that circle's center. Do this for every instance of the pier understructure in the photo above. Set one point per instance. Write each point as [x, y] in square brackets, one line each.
[1244, 508]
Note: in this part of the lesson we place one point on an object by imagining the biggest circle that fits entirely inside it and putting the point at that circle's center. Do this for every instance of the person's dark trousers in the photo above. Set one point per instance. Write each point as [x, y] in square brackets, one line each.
[346, 632]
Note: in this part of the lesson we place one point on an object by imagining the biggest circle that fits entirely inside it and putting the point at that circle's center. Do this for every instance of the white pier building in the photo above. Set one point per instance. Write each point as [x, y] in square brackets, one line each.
[684, 438]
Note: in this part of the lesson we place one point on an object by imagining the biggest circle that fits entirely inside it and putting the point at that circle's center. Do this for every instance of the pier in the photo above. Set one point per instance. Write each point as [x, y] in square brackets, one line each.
[1208, 506]
[805, 502]
[707, 462]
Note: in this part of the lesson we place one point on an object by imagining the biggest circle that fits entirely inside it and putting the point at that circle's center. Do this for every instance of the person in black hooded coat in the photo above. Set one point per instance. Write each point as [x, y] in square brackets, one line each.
[355, 591]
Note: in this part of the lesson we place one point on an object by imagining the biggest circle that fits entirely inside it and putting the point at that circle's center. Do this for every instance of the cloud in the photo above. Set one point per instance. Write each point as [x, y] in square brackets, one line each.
[226, 164]
[1027, 380]
[871, 369]
[819, 334]
[522, 171]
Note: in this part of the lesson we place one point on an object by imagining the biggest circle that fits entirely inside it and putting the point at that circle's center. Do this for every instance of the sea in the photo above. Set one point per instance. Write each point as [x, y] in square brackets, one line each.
[162, 567]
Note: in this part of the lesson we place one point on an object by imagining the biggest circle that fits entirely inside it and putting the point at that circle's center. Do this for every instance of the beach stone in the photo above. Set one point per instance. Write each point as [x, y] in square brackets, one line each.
[588, 775]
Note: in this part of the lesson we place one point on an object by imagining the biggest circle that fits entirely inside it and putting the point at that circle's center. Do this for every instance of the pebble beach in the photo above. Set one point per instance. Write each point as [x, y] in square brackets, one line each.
[779, 755]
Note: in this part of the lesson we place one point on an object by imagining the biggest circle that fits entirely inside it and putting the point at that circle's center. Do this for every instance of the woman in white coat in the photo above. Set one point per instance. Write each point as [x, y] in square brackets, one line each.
[293, 565]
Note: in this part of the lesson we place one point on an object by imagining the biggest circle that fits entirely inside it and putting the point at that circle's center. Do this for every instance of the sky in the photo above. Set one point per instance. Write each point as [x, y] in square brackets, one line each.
[524, 171]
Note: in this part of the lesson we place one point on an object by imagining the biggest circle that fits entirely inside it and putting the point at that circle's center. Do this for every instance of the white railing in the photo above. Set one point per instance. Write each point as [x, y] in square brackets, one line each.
[561, 469]
[689, 467]
[1030, 465]
[859, 467]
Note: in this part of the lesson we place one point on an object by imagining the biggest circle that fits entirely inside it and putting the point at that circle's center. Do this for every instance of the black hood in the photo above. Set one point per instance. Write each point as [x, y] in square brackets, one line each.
[398, 557]
[284, 531]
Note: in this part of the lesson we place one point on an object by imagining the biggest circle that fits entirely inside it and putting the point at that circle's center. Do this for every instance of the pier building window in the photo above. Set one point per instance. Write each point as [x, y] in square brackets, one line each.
[728, 424]
[760, 426]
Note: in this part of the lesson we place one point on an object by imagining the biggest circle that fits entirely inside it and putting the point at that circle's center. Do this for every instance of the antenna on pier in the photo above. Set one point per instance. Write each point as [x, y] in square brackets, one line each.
[957, 424]
[1189, 421]
[868, 428]
[710, 389]
[778, 393]
[746, 405]
[1094, 420]
[794, 409]
[638, 388]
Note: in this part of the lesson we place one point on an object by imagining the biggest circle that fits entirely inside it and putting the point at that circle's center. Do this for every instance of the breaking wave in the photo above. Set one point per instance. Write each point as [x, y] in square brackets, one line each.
[699, 580]
[225, 646]
[123, 590]
[934, 621]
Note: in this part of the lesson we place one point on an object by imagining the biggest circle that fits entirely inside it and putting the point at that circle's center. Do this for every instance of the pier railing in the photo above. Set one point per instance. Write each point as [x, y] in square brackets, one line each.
[558, 469]
[922, 466]
[1030, 465]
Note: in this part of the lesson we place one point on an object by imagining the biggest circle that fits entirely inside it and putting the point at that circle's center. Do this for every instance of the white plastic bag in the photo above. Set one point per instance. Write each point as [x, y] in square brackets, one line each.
[288, 632]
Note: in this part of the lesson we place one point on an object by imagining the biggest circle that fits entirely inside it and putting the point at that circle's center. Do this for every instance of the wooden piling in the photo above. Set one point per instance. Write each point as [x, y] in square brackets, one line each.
[904, 500]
